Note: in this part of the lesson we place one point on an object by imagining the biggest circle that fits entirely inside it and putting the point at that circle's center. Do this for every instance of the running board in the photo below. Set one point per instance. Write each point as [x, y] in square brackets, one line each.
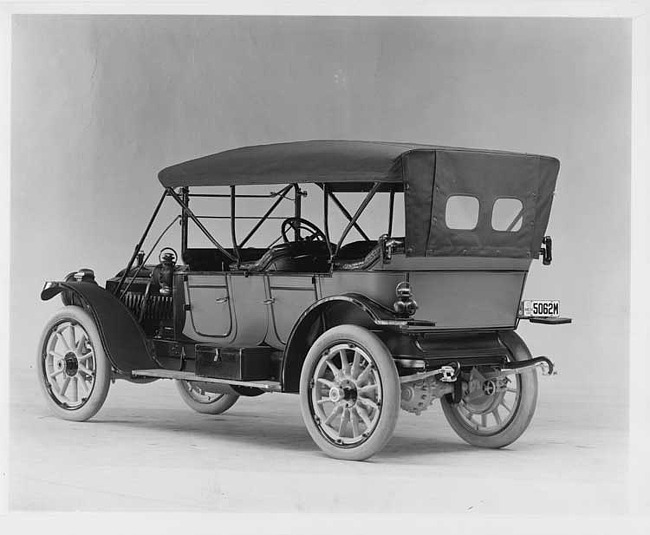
[267, 386]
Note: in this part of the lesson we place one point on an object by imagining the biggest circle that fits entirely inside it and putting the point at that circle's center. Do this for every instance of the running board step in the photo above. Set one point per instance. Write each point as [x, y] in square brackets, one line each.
[267, 386]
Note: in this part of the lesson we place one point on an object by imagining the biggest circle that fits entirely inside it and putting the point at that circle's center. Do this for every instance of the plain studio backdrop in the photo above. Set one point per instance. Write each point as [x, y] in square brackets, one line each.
[101, 103]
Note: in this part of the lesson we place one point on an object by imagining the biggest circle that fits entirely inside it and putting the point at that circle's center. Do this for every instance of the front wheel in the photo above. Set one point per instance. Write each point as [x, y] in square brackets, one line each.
[74, 372]
[494, 412]
[199, 397]
[349, 393]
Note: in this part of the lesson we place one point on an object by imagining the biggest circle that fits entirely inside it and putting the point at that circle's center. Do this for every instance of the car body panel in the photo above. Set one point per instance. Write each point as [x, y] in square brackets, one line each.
[468, 300]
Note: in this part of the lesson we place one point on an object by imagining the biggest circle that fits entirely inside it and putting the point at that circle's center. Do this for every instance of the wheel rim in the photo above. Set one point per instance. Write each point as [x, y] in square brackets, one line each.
[346, 395]
[493, 404]
[69, 365]
[199, 394]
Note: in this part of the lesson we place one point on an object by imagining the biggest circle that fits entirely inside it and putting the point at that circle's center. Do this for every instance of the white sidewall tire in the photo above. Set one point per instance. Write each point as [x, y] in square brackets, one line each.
[524, 411]
[218, 406]
[103, 368]
[390, 406]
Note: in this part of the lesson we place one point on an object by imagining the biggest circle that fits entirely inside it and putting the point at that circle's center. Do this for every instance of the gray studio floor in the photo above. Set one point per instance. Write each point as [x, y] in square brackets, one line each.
[146, 451]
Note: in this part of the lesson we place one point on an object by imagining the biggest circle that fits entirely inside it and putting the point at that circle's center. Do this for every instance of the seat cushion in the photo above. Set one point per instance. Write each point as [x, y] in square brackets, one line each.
[302, 256]
[355, 250]
[363, 262]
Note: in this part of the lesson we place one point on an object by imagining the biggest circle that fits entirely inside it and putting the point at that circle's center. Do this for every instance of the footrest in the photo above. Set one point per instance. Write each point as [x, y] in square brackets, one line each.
[267, 386]
[550, 320]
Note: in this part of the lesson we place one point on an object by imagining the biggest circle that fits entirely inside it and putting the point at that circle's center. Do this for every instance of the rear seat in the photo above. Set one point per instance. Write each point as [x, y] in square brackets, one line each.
[363, 254]
[357, 255]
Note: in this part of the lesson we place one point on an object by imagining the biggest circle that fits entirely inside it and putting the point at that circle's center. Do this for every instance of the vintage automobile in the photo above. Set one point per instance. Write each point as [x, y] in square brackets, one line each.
[356, 328]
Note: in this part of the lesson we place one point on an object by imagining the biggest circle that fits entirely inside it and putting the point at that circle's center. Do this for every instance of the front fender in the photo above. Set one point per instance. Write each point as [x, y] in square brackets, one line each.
[124, 341]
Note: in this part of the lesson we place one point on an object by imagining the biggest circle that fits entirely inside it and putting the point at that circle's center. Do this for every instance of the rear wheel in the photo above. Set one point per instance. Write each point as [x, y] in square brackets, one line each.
[73, 370]
[198, 397]
[349, 393]
[494, 412]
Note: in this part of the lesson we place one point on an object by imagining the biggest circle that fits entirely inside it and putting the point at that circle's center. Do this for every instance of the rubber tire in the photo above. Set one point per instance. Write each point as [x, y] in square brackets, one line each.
[376, 349]
[103, 366]
[218, 406]
[524, 412]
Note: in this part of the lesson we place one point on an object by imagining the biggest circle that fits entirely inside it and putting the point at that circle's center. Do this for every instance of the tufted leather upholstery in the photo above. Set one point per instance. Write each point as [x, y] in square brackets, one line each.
[302, 256]
[357, 255]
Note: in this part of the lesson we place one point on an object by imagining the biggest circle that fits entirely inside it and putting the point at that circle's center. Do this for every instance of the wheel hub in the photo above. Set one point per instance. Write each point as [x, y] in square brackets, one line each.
[489, 388]
[71, 364]
[336, 394]
[344, 392]
[483, 394]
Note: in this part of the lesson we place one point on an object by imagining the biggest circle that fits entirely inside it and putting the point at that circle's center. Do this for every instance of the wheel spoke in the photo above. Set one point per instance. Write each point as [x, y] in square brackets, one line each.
[62, 339]
[81, 383]
[82, 340]
[368, 388]
[354, 418]
[364, 416]
[503, 404]
[334, 369]
[54, 374]
[513, 390]
[368, 402]
[76, 388]
[88, 355]
[323, 401]
[55, 355]
[85, 370]
[364, 374]
[333, 414]
[73, 341]
[325, 382]
[496, 415]
[345, 364]
[64, 387]
[344, 421]
[356, 364]
[484, 420]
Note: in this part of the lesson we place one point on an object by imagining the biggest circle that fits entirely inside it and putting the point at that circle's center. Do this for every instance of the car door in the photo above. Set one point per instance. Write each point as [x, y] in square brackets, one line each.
[289, 295]
[207, 299]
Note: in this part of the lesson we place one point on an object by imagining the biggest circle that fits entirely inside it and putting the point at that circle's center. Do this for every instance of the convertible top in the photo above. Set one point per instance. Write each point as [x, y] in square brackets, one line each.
[345, 165]
[429, 175]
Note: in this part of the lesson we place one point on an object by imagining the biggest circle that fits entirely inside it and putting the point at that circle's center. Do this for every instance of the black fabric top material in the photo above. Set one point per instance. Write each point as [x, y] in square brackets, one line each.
[531, 179]
[427, 174]
[299, 161]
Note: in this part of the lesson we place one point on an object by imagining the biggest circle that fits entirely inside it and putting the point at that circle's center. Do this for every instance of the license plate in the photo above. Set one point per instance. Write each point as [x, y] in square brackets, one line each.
[541, 309]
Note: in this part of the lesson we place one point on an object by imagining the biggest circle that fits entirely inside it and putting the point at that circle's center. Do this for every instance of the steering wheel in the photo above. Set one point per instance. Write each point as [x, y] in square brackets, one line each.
[298, 223]
[167, 250]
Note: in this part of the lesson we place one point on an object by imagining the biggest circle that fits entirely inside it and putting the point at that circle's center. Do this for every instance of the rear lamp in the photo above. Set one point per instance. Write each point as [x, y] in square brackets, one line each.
[405, 306]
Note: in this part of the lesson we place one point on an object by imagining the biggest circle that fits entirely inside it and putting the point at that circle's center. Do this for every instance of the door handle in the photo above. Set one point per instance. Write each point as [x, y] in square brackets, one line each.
[221, 299]
[269, 301]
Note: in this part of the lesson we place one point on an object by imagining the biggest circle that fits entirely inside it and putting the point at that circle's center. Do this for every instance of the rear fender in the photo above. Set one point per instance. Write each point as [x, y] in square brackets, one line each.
[124, 341]
[321, 316]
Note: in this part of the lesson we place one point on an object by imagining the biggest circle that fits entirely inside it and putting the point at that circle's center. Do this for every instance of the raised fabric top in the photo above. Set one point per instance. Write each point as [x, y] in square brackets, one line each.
[343, 162]
[429, 176]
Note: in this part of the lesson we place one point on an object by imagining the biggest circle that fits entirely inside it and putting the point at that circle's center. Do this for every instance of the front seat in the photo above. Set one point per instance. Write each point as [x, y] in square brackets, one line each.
[300, 256]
